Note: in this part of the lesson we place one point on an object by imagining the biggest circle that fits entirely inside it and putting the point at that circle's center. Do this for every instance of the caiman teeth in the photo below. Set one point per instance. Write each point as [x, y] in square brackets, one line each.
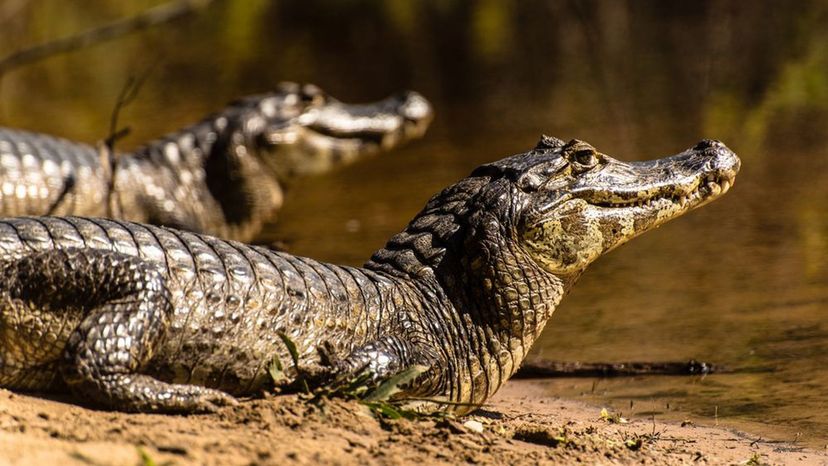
[726, 185]
[711, 185]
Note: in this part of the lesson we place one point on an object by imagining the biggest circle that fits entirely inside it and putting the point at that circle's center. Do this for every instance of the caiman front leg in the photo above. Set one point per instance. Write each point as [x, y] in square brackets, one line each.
[382, 359]
[123, 308]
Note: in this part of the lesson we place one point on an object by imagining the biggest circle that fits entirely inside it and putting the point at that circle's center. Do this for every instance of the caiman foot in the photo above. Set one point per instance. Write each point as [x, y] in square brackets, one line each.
[142, 393]
[373, 363]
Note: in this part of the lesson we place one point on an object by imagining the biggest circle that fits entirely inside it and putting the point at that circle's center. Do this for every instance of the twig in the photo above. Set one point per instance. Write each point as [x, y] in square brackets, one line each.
[127, 95]
[152, 17]
[107, 161]
[106, 150]
[68, 187]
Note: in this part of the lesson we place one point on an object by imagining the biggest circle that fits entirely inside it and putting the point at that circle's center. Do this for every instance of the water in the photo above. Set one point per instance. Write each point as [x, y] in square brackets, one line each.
[742, 282]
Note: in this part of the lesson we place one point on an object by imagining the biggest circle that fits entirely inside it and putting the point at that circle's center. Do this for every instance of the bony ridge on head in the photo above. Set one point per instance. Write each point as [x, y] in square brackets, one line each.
[549, 142]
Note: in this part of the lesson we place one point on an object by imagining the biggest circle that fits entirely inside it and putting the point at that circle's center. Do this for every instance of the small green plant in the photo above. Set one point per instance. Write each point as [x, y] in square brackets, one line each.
[377, 396]
[276, 369]
[755, 460]
[379, 400]
[634, 443]
[147, 460]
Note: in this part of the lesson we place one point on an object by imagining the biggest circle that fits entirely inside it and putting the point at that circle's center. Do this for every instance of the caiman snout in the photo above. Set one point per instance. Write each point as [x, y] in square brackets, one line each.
[722, 161]
[413, 107]
[716, 167]
[414, 110]
[398, 118]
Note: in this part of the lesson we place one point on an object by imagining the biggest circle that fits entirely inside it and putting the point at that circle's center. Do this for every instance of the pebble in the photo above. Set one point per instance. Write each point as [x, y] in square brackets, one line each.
[474, 426]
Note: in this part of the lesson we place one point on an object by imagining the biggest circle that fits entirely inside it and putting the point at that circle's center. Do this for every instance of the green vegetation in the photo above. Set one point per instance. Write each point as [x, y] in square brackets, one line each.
[377, 396]
[755, 460]
[612, 418]
[148, 460]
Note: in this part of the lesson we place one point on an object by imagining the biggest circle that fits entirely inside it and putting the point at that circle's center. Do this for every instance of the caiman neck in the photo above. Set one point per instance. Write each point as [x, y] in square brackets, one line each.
[206, 177]
[495, 291]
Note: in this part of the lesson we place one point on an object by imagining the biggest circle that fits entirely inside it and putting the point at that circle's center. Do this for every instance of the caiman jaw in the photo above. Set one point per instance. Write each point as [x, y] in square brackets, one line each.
[701, 192]
[385, 124]
[666, 187]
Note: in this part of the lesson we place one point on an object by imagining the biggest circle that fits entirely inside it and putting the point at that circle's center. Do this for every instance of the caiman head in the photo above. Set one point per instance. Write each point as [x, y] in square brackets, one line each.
[301, 130]
[503, 246]
[576, 203]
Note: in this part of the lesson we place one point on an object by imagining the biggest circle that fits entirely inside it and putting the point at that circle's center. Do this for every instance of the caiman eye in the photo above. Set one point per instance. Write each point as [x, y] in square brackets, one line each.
[312, 95]
[581, 156]
[587, 158]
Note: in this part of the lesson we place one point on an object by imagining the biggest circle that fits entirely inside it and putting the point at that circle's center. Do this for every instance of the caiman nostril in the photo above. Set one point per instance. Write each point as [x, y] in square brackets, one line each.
[706, 144]
[311, 90]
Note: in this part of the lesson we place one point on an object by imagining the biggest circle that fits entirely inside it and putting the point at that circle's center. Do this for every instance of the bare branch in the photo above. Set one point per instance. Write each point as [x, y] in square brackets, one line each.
[152, 17]
[106, 149]
[128, 93]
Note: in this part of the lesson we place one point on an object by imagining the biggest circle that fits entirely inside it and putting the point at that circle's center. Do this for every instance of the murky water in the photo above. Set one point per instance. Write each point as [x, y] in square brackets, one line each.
[742, 282]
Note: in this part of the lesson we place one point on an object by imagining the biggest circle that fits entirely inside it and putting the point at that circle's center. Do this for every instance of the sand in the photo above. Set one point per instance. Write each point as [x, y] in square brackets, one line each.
[519, 426]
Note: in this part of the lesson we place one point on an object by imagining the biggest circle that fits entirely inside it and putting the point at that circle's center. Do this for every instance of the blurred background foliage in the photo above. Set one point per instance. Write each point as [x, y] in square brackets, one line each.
[731, 69]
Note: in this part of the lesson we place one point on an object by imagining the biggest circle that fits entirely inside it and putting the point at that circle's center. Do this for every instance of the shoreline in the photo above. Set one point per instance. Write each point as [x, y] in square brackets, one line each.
[665, 407]
[521, 425]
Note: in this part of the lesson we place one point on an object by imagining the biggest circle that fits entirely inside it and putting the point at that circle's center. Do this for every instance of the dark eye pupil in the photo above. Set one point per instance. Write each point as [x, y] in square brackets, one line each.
[311, 98]
[584, 157]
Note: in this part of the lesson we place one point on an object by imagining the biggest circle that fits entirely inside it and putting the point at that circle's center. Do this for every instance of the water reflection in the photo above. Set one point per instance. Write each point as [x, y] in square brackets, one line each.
[742, 282]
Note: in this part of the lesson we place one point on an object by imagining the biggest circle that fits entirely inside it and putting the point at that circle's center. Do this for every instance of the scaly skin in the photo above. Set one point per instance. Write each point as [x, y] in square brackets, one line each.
[224, 176]
[144, 318]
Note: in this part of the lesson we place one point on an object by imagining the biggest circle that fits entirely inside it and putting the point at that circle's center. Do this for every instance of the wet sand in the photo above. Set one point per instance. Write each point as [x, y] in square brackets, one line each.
[519, 426]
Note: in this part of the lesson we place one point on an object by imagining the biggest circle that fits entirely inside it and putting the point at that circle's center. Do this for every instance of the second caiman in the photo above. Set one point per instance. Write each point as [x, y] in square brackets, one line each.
[223, 176]
[142, 318]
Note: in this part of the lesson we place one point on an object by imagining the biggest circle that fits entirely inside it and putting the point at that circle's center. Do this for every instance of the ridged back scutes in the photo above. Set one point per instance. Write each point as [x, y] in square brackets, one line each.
[419, 248]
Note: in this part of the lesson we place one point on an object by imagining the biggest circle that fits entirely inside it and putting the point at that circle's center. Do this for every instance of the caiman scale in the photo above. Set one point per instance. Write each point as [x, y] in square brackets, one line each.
[223, 176]
[143, 318]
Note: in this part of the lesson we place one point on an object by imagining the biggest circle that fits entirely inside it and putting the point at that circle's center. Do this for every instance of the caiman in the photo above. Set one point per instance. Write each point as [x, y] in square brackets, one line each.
[223, 176]
[144, 318]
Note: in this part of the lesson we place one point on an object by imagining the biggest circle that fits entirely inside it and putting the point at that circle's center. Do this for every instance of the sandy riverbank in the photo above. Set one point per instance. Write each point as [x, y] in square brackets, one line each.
[518, 427]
